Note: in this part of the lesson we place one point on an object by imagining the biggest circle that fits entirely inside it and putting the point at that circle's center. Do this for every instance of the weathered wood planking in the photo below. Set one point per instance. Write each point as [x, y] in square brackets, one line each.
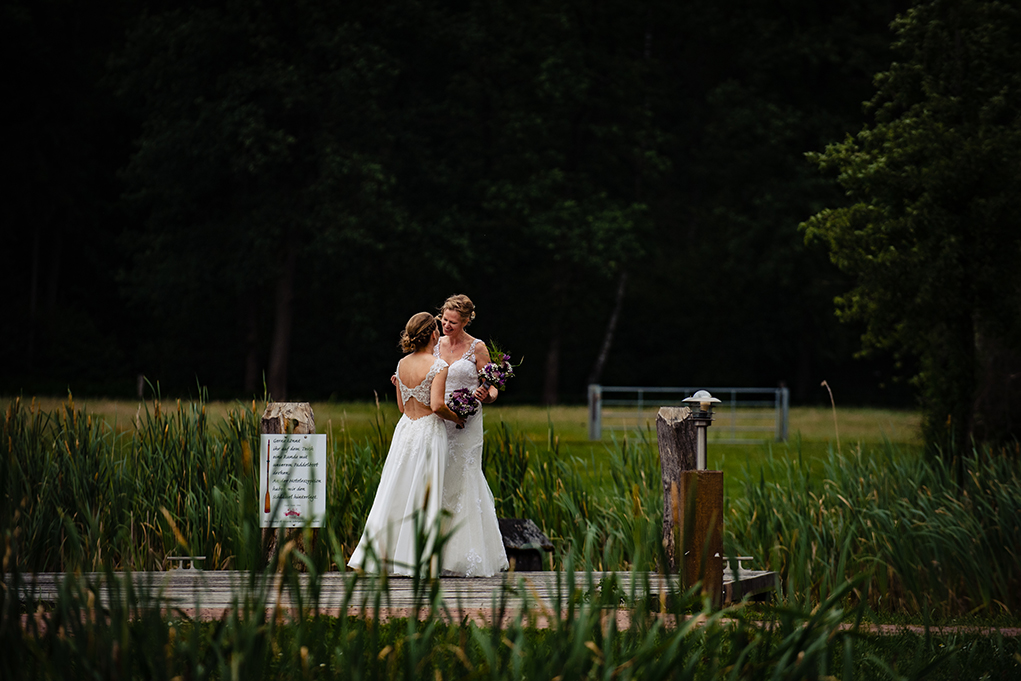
[212, 591]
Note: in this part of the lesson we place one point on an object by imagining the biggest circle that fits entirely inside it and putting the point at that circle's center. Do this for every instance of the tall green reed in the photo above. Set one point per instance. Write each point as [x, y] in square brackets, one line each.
[170, 482]
[106, 625]
[921, 542]
[113, 489]
[81, 493]
[543, 483]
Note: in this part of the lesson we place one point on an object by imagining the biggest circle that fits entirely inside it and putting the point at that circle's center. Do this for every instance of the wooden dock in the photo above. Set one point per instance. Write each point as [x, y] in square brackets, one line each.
[208, 594]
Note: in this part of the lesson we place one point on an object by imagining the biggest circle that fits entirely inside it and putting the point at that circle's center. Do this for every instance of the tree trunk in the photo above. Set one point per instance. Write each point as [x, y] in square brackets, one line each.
[280, 350]
[949, 392]
[33, 301]
[251, 324]
[56, 238]
[804, 381]
[551, 386]
[965, 408]
[611, 327]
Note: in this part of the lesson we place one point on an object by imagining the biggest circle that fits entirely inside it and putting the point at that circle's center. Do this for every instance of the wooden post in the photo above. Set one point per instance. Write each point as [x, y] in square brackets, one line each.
[692, 505]
[288, 418]
[282, 418]
[702, 531]
[676, 434]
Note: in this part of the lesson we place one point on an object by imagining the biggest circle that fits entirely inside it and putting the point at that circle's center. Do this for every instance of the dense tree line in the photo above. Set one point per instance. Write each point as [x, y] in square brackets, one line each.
[234, 193]
[931, 235]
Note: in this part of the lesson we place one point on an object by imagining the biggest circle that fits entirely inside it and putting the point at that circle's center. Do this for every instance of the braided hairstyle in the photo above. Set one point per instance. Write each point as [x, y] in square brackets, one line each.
[418, 332]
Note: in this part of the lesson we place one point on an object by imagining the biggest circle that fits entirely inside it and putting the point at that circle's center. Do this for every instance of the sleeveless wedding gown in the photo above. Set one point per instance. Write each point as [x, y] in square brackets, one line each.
[409, 488]
[475, 547]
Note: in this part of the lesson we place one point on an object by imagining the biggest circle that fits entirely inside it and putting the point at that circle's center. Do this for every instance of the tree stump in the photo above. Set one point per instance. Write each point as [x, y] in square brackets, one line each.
[676, 435]
[288, 418]
[282, 418]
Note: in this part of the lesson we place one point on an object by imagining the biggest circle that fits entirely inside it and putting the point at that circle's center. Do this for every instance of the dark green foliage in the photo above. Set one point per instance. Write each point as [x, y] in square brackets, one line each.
[369, 161]
[930, 238]
[261, 162]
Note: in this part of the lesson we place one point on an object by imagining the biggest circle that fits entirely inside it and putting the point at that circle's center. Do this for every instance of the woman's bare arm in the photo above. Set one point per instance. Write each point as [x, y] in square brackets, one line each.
[436, 401]
[482, 359]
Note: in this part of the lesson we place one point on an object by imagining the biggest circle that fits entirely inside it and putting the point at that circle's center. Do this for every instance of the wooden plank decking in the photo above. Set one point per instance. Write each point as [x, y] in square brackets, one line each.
[210, 593]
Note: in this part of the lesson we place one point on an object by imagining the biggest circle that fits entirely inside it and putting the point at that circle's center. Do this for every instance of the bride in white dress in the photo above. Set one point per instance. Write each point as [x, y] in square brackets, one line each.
[408, 498]
[475, 545]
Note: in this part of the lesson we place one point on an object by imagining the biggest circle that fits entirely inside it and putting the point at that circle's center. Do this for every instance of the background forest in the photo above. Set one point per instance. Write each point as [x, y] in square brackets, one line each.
[231, 193]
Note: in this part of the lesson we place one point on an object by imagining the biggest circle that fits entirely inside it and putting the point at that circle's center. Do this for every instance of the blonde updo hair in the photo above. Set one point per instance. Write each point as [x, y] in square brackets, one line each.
[462, 305]
[418, 332]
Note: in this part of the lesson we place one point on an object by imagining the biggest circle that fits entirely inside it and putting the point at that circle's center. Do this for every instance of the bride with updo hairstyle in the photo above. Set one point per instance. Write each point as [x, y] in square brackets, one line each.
[412, 476]
[418, 332]
[474, 547]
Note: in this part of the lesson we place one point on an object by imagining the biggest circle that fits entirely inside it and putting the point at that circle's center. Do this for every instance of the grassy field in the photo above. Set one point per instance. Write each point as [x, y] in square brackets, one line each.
[813, 424]
[813, 432]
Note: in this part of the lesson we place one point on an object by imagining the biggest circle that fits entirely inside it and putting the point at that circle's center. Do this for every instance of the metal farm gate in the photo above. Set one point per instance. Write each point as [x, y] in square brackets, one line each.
[744, 415]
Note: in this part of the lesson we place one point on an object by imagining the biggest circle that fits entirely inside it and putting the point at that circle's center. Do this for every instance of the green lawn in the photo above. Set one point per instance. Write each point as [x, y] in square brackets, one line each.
[812, 431]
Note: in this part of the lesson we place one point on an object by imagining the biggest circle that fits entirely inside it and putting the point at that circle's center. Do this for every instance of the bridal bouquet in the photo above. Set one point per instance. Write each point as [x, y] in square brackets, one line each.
[498, 370]
[463, 403]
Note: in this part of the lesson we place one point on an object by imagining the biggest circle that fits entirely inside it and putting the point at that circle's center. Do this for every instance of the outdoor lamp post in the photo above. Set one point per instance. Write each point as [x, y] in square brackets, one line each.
[702, 417]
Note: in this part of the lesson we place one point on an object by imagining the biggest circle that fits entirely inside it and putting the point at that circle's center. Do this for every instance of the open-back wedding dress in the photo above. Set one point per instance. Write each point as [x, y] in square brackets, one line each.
[409, 489]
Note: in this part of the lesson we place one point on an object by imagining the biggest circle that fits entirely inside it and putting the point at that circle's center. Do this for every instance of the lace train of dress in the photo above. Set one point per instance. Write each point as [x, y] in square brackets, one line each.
[475, 547]
[408, 487]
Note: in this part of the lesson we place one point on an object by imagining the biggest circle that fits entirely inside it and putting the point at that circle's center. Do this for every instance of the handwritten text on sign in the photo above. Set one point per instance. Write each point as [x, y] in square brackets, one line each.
[292, 480]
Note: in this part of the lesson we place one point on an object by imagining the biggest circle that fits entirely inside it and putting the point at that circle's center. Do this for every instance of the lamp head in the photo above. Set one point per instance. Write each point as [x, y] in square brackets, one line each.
[704, 400]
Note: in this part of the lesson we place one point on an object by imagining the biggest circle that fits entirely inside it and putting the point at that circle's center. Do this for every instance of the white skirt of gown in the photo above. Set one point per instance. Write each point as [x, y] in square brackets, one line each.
[410, 485]
[474, 546]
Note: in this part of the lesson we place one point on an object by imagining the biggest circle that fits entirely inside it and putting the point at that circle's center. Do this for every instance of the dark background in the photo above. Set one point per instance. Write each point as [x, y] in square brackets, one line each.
[171, 169]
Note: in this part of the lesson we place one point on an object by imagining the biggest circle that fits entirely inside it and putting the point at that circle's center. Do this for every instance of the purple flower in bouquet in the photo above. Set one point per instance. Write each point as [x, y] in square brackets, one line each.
[499, 369]
[463, 403]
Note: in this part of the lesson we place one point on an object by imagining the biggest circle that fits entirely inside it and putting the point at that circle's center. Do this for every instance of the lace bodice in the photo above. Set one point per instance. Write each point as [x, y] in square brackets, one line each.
[422, 391]
[474, 546]
[463, 371]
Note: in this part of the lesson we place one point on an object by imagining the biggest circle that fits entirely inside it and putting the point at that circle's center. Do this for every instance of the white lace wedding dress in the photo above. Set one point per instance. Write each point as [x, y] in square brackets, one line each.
[475, 547]
[409, 488]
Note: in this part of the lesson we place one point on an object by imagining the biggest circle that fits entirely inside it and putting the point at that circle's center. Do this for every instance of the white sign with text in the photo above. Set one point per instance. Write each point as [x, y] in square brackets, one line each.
[292, 480]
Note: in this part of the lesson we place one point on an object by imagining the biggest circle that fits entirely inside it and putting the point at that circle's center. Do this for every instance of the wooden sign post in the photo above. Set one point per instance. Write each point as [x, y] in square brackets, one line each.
[281, 419]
